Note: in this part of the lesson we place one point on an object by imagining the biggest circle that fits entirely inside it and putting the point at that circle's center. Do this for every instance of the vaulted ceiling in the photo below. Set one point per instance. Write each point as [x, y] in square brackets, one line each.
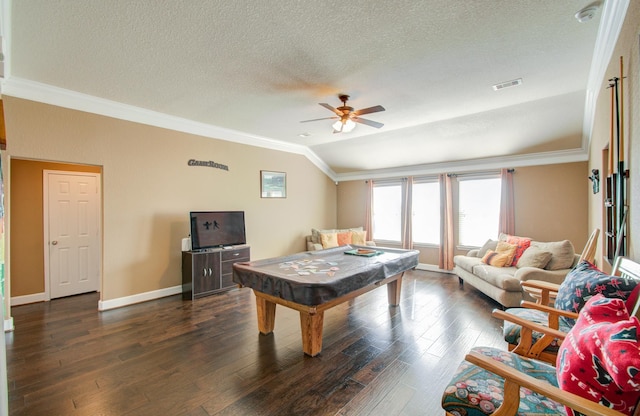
[251, 71]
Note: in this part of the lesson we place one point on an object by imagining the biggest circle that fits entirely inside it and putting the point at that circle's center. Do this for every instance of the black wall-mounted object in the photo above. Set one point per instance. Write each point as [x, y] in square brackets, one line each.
[595, 180]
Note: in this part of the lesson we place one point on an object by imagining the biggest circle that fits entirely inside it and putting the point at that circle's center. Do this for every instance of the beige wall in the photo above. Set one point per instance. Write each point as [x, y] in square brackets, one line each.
[550, 205]
[148, 190]
[551, 202]
[627, 47]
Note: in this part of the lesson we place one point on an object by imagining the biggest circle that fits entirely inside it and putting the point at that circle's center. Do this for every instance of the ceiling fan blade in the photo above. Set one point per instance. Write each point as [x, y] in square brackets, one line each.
[328, 107]
[316, 119]
[369, 110]
[367, 122]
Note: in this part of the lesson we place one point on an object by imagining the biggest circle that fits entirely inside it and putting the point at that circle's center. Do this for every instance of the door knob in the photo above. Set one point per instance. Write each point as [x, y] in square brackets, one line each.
[54, 242]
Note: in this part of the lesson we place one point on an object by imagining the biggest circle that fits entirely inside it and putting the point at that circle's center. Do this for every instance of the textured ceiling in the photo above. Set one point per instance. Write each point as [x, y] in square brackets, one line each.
[259, 68]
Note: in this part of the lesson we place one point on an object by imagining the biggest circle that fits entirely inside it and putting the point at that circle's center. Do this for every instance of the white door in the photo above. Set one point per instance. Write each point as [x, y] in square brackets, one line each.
[72, 232]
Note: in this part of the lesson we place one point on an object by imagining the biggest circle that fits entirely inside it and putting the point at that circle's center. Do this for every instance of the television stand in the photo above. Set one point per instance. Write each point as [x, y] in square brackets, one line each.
[210, 271]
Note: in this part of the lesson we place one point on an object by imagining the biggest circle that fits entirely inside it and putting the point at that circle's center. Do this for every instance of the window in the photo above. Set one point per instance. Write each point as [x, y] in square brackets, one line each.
[387, 211]
[479, 210]
[425, 213]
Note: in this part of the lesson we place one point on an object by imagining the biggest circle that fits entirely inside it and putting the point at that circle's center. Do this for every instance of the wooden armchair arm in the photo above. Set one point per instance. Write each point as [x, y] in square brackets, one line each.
[528, 325]
[526, 347]
[548, 309]
[543, 291]
[514, 379]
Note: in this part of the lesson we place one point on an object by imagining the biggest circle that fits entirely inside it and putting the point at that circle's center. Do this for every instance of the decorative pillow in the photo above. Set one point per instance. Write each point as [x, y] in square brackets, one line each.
[489, 245]
[329, 240]
[508, 249]
[562, 254]
[502, 255]
[493, 258]
[315, 235]
[600, 357]
[521, 243]
[359, 237]
[534, 257]
[586, 281]
[344, 238]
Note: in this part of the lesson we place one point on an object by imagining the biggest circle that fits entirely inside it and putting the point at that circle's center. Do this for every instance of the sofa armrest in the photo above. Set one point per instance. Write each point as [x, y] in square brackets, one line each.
[473, 253]
[313, 246]
[533, 273]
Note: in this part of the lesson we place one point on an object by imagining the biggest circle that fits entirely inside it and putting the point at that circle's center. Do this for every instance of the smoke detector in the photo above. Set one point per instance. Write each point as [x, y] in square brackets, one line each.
[586, 14]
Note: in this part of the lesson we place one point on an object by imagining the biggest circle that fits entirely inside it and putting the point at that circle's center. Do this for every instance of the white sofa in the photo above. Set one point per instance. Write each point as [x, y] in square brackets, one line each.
[503, 283]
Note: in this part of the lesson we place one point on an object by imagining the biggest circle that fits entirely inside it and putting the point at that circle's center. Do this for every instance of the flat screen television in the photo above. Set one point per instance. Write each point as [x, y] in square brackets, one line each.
[211, 229]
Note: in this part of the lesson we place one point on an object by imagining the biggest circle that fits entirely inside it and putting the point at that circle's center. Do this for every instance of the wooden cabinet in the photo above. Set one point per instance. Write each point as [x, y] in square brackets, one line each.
[210, 271]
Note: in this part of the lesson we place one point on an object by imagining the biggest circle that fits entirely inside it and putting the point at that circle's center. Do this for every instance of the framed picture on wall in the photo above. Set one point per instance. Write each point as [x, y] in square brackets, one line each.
[273, 184]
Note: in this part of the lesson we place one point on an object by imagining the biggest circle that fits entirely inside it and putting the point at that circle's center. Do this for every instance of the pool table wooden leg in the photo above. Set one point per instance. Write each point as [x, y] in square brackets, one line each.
[311, 328]
[266, 315]
[393, 291]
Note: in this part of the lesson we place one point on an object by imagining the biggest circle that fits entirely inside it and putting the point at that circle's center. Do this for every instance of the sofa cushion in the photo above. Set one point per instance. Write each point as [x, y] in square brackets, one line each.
[562, 254]
[600, 358]
[466, 263]
[500, 277]
[329, 240]
[586, 281]
[534, 257]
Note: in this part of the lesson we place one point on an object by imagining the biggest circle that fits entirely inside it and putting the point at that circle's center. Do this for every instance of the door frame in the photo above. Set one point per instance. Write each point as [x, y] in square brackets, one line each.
[45, 201]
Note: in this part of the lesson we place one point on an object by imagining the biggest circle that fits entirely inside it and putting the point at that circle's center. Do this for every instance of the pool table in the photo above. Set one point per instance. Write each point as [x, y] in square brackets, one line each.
[314, 281]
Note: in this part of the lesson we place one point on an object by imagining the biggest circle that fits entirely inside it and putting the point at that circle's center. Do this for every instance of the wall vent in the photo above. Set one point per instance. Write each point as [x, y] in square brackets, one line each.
[507, 84]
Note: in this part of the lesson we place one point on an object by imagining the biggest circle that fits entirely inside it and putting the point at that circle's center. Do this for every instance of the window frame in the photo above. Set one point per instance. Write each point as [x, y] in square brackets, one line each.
[421, 180]
[380, 184]
[457, 228]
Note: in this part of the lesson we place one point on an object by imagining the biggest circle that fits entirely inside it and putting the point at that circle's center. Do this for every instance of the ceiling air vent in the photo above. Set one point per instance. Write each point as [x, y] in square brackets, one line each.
[507, 84]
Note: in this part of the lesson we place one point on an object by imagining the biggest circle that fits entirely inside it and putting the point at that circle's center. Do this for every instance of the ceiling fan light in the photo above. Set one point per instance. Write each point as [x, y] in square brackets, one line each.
[348, 126]
[337, 126]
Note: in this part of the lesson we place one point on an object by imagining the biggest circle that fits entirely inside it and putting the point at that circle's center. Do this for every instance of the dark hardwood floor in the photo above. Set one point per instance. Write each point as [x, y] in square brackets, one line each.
[175, 357]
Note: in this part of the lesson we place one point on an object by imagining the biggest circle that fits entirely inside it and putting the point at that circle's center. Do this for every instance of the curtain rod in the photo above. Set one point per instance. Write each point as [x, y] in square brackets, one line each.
[484, 172]
[451, 175]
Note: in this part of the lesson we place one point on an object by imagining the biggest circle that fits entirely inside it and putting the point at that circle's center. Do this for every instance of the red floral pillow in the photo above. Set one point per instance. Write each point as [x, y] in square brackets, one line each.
[521, 243]
[600, 357]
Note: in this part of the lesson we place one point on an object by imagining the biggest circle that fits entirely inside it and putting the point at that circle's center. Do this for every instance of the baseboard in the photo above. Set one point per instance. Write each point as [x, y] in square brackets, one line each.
[105, 305]
[33, 298]
[432, 268]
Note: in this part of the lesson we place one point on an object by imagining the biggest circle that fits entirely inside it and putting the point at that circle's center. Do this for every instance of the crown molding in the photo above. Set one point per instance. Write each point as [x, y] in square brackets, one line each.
[533, 159]
[34, 91]
[611, 21]
[43, 93]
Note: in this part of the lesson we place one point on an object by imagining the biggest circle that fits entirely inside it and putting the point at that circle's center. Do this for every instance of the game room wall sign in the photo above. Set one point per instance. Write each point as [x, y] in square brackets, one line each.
[208, 163]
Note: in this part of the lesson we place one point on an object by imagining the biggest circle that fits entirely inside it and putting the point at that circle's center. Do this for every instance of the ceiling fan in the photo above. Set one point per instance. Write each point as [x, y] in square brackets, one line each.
[347, 117]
